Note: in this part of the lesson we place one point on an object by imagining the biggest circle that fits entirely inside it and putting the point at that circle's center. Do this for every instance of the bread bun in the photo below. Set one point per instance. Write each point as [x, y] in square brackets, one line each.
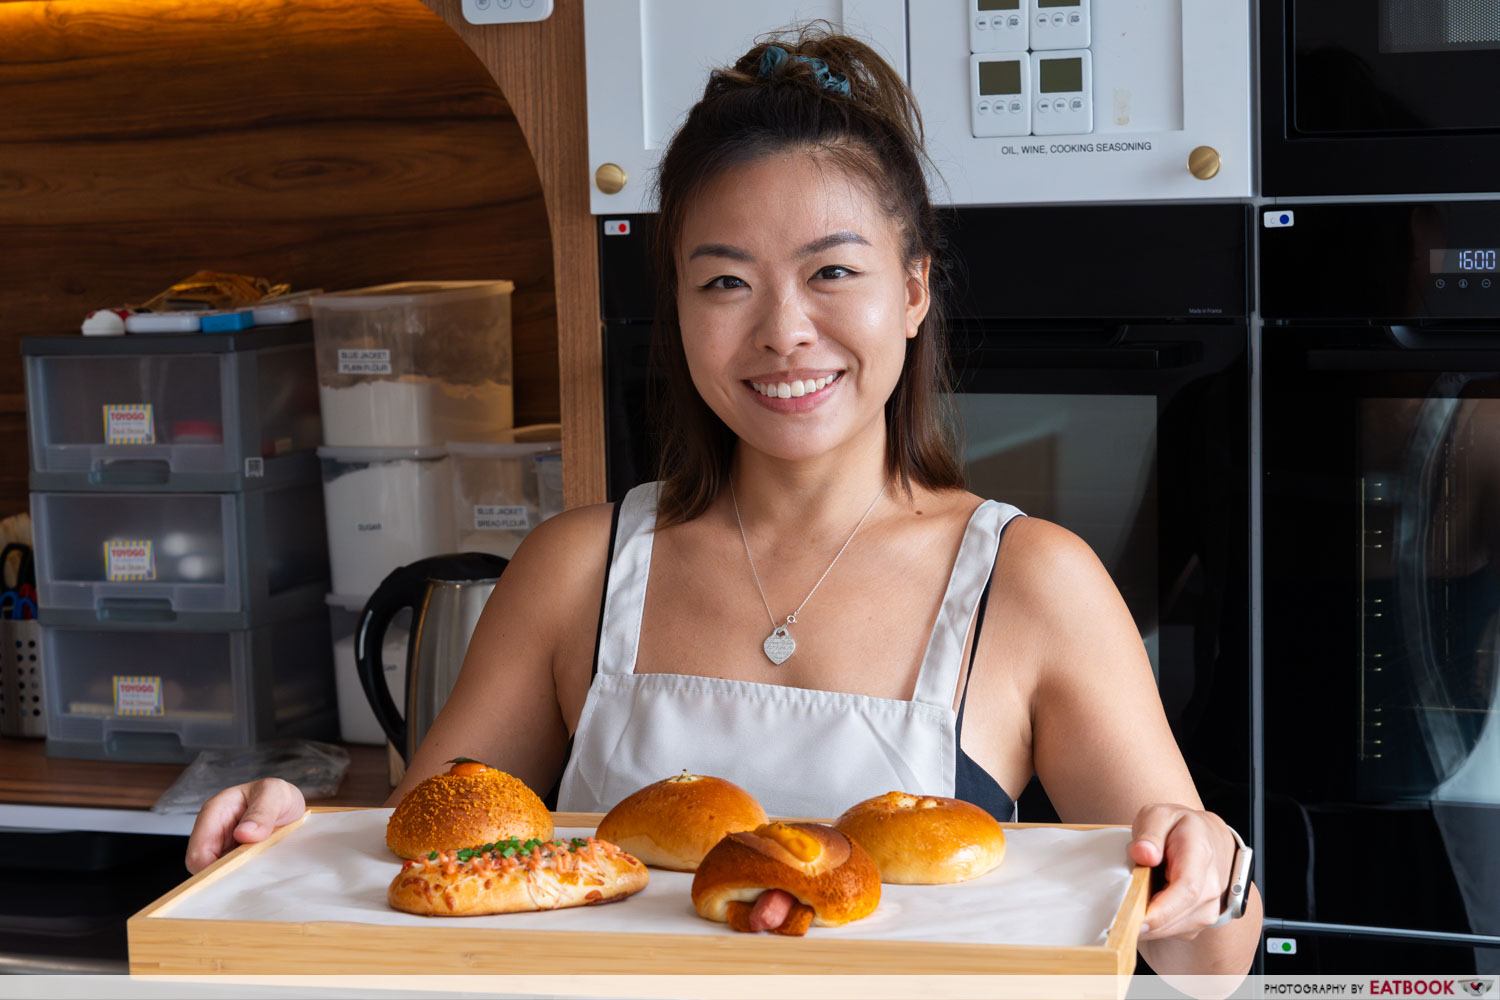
[815, 863]
[924, 839]
[673, 823]
[468, 805]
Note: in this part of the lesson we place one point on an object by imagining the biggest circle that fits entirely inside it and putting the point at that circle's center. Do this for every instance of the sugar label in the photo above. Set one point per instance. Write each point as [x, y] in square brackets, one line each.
[129, 424]
[499, 517]
[129, 559]
[136, 695]
[360, 361]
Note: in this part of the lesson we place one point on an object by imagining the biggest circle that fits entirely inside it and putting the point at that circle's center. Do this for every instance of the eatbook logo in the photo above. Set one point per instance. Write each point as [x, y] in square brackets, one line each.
[1478, 987]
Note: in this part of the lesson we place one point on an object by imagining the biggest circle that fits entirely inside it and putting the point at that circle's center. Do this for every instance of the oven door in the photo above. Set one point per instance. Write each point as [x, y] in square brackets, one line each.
[1135, 437]
[1381, 548]
[1388, 97]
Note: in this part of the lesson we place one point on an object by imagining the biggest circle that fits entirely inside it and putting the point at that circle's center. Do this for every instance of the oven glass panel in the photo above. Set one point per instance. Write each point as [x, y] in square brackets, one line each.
[1397, 66]
[1382, 636]
[1085, 462]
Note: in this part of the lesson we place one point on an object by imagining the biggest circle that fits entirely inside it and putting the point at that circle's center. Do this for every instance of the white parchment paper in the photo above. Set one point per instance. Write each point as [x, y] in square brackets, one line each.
[1055, 887]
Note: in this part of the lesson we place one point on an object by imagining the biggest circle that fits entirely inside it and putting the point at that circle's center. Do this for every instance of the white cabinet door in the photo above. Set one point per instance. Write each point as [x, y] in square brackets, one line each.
[648, 61]
[1168, 77]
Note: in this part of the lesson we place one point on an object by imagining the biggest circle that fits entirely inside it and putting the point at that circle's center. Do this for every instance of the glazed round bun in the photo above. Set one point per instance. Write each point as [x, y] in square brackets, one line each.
[673, 823]
[468, 805]
[816, 864]
[925, 839]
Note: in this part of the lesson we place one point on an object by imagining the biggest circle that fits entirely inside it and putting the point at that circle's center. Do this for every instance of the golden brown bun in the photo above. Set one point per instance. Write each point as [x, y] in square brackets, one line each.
[548, 878]
[673, 823]
[924, 839]
[477, 805]
[833, 876]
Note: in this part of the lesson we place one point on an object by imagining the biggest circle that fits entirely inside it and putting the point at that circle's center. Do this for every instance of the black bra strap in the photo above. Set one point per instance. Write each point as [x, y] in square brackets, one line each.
[609, 566]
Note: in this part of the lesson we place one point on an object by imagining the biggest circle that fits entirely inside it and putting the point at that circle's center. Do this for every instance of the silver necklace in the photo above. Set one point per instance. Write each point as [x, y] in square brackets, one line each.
[780, 645]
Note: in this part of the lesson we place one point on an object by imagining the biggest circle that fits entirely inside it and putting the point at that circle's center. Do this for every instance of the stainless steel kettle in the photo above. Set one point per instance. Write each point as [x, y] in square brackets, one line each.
[446, 595]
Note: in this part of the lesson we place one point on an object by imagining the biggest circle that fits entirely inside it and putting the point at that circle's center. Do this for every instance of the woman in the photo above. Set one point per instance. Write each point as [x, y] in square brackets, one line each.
[809, 603]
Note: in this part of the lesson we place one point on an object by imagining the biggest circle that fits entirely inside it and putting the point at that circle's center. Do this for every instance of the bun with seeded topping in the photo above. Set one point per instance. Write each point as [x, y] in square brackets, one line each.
[673, 823]
[467, 805]
[925, 839]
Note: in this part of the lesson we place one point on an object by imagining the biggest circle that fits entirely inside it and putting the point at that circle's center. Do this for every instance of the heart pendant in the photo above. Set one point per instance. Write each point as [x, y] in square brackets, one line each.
[779, 645]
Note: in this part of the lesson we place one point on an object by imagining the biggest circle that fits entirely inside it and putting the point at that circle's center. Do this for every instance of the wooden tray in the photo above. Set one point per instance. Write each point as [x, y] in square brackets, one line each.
[163, 945]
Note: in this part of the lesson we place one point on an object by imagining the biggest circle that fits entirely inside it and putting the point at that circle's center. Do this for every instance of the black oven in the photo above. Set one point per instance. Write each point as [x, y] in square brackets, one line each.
[1101, 363]
[1381, 593]
[1379, 96]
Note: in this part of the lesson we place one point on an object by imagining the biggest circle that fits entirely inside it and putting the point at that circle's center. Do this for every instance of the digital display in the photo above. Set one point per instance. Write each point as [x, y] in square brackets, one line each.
[1453, 261]
[999, 4]
[1061, 76]
[1058, 3]
[1000, 77]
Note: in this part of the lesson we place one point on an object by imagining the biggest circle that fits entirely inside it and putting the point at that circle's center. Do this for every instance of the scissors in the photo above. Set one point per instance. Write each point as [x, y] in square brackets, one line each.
[19, 597]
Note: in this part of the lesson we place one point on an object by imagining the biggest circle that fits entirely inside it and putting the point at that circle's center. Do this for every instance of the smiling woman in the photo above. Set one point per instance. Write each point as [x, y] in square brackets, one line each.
[922, 639]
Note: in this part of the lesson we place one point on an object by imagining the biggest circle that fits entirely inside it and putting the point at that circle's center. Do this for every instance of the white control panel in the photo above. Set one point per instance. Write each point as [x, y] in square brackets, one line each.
[999, 25]
[505, 11]
[1062, 92]
[1060, 24]
[1000, 93]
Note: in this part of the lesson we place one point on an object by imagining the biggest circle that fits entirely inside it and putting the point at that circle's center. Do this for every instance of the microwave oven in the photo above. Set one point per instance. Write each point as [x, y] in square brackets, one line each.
[1379, 97]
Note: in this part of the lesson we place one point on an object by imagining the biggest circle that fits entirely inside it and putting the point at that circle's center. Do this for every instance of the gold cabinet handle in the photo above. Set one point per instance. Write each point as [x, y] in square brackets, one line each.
[610, 178]
[1204, 162]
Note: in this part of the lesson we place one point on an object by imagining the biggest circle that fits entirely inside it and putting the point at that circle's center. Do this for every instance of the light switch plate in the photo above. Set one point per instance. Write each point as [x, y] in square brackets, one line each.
[506, 11]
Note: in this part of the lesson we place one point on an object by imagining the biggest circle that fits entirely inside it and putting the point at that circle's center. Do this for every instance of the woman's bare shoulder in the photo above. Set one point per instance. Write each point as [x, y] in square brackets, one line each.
[565, 556]
[1052, 573]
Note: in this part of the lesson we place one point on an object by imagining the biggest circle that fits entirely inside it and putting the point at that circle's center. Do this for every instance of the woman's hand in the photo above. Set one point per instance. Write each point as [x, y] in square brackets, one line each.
[1196, 852]
[243, 814]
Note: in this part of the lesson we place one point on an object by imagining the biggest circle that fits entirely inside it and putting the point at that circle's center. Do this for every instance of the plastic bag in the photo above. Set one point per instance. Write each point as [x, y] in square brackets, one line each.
[315, 768]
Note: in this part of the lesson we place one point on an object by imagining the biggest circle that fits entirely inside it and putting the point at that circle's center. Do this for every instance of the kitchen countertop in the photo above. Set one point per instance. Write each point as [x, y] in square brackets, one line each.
[41, 792]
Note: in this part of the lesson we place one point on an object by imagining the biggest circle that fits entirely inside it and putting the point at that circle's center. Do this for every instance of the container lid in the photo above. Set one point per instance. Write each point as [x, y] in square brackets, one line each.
[411, 293]
[516, 442]
[355, 455]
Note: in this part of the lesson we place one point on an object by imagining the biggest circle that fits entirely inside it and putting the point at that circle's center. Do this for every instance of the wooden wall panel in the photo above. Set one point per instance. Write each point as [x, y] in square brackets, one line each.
[328, 143]
[540, 68]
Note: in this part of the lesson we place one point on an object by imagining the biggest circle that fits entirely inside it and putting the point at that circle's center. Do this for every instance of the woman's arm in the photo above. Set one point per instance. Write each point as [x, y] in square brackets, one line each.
[1104, 751]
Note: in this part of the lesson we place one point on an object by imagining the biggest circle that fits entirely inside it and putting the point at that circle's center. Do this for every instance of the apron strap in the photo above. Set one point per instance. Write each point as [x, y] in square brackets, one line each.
[944, 660]
[625, 593]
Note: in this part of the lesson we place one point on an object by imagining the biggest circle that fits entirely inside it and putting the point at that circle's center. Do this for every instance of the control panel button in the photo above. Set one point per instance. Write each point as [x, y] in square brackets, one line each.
[1075, 18]
[984, 107]
[1014, 20]
[1059, 20]
[1042, 20]
[982, 23]
[1044, 105]
[1015, 107]
[1076, 104]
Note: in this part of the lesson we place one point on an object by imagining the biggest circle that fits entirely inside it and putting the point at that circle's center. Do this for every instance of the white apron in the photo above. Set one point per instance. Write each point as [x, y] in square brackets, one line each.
[800, 752]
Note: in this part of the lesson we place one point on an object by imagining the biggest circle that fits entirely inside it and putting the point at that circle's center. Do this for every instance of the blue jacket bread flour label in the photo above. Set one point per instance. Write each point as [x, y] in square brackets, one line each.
[129, 559]
[129, 424]
[136, 695]
[501, 517]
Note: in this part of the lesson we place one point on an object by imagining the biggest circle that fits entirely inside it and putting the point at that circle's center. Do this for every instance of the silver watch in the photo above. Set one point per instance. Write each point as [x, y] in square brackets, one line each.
[1239, 882]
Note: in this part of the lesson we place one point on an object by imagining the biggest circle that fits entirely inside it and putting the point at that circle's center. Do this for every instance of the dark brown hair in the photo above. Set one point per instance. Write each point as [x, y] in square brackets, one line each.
[875, 133]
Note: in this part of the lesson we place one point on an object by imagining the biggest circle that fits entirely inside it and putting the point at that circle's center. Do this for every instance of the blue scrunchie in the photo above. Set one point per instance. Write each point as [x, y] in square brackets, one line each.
[775, 55]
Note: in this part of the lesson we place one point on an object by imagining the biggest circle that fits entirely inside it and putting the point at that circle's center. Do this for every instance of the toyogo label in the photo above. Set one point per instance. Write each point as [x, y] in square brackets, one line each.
[129, 424]
[135, 695]
[129, 559]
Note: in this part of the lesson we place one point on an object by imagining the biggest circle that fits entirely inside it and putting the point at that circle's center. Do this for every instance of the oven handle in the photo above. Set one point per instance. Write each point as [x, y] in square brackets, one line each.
[1445, 338]
[1141, 358]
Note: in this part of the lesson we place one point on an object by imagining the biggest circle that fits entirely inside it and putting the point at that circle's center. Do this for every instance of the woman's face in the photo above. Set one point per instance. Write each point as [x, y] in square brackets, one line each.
[795, 304]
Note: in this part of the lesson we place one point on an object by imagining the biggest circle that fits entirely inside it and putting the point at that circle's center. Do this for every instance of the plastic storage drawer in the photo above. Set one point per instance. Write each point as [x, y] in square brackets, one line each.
[205, 560]
[164, 695]
[207, 412]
